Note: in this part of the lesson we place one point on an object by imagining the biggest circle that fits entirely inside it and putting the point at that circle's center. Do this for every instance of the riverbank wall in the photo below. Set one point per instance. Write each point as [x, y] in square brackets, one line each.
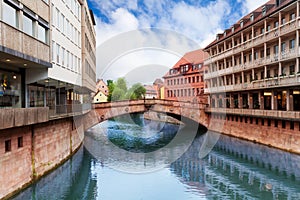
[32, 145]
[277, 133]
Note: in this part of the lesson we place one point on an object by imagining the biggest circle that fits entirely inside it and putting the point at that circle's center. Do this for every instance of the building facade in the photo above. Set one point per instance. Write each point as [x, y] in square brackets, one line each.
[255, 63]
[24, 47]
[185, 82]
[88, 35]
[101, 92]
[43, 55]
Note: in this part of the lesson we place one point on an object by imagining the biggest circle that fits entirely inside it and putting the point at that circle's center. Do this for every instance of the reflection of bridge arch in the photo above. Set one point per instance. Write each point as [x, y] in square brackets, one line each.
[178, 110]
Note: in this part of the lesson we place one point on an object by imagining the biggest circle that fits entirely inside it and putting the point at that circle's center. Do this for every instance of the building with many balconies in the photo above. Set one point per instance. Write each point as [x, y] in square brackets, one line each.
[255, 63]
[184, 82]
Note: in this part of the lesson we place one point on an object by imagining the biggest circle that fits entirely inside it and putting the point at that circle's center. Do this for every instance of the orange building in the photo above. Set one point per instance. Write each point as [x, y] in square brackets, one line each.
[184, 82]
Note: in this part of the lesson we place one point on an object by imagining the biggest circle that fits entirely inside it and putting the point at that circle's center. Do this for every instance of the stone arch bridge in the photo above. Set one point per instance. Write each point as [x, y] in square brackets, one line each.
[176, 109]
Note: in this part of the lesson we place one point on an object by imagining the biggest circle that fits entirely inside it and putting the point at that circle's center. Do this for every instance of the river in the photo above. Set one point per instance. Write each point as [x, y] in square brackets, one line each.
[137, 159]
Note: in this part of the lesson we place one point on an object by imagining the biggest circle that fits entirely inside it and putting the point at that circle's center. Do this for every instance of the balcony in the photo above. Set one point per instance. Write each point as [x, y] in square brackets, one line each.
[288, 27]
[288, 115]
[68, 110]
[260, 39]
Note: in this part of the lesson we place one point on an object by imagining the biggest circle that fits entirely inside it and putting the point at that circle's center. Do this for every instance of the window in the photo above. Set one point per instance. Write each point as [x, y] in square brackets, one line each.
[9, 15]
[283, 21]
[291, 125]
[292, 69]
[262, 30]
[252, 17]
[7, 145]
[57, 53]
[283, 124]
[292, 44]
[57, 18]
[67, 59]
[276, 49]
[53, 51]
[20, 142]
[292, 16]
[283, 47]
[268, 27]
[276, 24]
[63, 56]
[63, 23]
[264, 11]
[241, 23]
[42, 33]
[28, 25]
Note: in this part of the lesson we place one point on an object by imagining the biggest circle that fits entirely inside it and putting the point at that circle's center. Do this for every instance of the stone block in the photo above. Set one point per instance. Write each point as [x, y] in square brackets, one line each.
[42, 114]
[8, 118]
[31, 116]
[19, 117]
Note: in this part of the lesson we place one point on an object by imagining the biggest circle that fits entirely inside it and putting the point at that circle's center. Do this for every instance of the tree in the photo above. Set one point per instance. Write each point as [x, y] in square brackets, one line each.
[137, 91]
[117, 90]
[121, 83]
[111, 87]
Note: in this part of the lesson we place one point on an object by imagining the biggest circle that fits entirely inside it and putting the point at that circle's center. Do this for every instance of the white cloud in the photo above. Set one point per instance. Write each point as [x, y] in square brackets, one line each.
[121, 21]
[250, 5]
[196, 26]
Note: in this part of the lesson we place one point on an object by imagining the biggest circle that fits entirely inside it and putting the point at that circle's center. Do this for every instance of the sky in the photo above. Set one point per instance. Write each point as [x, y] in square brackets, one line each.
[141, 39]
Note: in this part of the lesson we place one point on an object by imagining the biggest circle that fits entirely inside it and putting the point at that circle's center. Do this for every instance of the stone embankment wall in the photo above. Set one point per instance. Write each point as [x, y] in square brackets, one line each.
[28, 152]
[270, 132]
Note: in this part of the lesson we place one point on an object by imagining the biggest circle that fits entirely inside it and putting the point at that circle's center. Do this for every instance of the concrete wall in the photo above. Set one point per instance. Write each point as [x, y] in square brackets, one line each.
[45, 146]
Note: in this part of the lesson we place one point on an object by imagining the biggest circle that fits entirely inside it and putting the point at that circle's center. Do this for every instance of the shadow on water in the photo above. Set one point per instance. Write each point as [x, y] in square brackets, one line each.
[143, 136]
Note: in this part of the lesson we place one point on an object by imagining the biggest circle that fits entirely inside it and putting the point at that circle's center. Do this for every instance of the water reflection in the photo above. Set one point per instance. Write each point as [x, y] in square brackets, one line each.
[234, 169]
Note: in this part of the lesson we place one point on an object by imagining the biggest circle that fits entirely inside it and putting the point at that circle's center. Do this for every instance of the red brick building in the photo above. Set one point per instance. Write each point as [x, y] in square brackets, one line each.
[184, 82]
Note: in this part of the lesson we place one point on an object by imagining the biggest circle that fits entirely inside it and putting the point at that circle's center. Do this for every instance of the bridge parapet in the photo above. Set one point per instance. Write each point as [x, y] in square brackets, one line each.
[193, 111]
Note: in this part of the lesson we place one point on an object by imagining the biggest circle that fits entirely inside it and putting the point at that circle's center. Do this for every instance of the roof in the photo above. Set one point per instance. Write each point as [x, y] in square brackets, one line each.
[193, 57]
[270, 7]
[158, 81]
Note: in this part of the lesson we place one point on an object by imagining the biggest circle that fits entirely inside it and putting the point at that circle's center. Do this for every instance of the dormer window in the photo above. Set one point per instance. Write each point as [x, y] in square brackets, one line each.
[218, 37]
[264, 11]
[241, 23]
[224, 34]
[232, 29]
[252, 17]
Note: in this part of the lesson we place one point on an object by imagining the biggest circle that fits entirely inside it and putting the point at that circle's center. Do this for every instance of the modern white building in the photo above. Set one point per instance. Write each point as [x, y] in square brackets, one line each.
[65, 83]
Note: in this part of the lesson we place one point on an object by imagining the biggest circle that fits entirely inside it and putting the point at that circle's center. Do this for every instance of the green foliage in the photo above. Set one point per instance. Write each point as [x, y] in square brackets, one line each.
[137, 91]
[118, 90]
[111, 87]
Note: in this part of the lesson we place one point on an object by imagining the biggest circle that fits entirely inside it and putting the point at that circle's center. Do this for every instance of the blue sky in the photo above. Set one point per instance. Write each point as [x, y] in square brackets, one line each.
[198, 21]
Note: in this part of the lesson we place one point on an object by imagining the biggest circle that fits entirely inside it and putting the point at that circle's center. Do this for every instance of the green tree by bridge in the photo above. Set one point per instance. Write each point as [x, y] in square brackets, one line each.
[118, 90]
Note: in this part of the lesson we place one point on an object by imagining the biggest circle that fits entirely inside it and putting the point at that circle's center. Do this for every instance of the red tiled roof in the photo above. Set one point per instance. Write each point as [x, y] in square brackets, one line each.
[192, 57]
[270, 9]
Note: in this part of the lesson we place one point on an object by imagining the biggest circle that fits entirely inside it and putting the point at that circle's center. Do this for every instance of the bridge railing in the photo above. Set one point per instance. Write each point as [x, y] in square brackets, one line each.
[150, 102]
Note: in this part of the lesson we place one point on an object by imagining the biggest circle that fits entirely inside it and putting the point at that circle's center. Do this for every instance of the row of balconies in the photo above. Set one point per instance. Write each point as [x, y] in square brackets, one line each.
[256, 113]
[255, 41]
[280, 81]
[285, 55]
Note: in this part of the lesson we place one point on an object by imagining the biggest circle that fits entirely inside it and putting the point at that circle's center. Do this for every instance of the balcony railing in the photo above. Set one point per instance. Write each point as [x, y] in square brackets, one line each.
[265, 37]
[68, 110]
[289, 115]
